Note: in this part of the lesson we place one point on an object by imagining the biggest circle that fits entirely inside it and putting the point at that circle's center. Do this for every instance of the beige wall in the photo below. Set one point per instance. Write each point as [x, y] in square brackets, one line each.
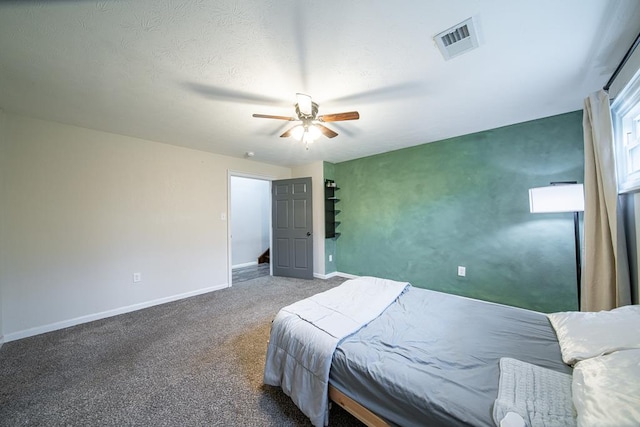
[316, 172]
[84, 210]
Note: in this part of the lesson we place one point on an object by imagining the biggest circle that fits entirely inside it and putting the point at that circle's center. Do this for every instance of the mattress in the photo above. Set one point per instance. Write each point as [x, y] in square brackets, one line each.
[433, 358]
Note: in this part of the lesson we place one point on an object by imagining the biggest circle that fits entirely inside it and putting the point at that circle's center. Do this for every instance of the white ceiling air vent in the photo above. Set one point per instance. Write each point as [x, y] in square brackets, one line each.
[458, 39]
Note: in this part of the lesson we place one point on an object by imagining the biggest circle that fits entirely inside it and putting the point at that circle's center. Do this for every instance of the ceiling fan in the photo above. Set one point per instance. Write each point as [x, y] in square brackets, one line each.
[311, 127]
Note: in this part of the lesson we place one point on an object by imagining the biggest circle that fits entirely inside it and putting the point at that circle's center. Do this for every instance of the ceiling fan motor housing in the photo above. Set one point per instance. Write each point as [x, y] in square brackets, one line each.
[302, 116]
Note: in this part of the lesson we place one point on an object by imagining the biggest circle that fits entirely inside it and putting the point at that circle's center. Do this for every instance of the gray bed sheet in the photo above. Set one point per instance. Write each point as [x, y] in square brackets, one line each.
[432, 359]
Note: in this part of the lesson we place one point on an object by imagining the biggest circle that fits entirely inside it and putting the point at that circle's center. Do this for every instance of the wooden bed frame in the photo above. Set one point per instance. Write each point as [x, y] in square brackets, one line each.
[356, 409]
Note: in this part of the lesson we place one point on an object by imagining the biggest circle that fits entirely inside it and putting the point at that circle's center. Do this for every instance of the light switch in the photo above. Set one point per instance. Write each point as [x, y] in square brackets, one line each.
[462, 271]
[223, 216]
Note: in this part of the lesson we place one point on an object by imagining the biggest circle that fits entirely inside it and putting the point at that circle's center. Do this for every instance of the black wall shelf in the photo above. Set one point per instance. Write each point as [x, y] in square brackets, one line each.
[330, 211]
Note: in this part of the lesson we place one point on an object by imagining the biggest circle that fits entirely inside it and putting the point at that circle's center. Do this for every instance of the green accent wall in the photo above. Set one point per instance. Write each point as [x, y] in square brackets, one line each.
[418, 213]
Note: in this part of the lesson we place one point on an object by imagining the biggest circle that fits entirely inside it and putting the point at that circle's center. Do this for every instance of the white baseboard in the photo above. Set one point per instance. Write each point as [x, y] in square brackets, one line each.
[334, 274]
[347, 275]
[246, 264]
[108, 313]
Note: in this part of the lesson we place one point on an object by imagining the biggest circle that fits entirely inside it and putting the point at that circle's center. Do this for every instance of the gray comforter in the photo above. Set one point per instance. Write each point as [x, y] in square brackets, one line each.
[433, 358]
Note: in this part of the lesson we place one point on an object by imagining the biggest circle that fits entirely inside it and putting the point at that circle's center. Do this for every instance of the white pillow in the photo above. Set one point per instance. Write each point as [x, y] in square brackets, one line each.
[589, 334]
[606, 390]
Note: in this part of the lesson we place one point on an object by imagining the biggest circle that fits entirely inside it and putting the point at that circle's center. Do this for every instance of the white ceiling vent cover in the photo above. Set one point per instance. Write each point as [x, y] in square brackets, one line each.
[458, 39]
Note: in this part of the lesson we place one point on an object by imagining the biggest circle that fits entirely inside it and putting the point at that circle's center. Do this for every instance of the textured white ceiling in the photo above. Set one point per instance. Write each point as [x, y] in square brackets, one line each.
[191, 73]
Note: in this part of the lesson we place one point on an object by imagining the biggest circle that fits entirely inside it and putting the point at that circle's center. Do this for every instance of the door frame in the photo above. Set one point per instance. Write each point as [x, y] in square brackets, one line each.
[230, 173]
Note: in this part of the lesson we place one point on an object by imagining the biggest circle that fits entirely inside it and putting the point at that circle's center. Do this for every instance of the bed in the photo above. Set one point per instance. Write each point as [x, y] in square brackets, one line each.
[420, 358]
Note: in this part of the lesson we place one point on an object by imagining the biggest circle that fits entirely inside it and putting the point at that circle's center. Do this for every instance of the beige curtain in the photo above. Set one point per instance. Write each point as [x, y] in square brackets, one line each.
[605, 278]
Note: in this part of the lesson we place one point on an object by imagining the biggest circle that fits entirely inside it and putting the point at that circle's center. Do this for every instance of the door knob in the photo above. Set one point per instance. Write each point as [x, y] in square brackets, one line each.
[308, 233]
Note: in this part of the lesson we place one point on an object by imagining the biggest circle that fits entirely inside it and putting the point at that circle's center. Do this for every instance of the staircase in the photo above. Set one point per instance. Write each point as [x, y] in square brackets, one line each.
[264, 258]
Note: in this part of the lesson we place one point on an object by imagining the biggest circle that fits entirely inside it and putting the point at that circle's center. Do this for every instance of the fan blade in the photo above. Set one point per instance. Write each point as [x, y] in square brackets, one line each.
[268, 116]
[288, 132]
[326, 131]
[339, 117]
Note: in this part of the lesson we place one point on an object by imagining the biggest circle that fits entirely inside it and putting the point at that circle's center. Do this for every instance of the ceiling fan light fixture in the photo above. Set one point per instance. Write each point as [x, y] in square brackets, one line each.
[311, 127]
[297, 132]
[305, 133]
[314, 132]
[307, 138]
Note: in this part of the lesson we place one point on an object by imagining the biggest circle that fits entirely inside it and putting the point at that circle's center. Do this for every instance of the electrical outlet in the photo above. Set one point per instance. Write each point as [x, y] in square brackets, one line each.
[462, 271]
[330, 258]
[137, 277]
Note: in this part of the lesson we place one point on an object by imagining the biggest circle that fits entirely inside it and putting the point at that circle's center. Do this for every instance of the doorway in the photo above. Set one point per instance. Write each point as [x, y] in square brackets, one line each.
[249, 227]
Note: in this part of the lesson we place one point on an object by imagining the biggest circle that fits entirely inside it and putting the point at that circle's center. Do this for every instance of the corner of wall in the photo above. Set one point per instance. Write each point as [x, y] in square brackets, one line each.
[631, 209]
[3, 197]
[330, 253]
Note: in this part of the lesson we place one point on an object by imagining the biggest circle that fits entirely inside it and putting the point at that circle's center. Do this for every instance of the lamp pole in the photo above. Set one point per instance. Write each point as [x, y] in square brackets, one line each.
[576, 233]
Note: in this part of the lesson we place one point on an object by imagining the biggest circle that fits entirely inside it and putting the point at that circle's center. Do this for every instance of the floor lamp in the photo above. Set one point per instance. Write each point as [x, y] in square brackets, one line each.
[561, 197]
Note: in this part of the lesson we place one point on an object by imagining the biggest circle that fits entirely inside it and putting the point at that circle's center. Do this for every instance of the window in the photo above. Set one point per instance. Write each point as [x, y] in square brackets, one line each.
[631, 140]
[625, 112]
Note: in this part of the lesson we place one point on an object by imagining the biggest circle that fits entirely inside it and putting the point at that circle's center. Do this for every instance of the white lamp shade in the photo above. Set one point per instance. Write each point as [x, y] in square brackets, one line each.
[314, 133]
[297, 132]
[557, 198]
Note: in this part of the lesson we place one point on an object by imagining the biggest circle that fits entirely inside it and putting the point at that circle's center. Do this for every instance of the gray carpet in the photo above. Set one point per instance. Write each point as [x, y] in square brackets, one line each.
[194, 362]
